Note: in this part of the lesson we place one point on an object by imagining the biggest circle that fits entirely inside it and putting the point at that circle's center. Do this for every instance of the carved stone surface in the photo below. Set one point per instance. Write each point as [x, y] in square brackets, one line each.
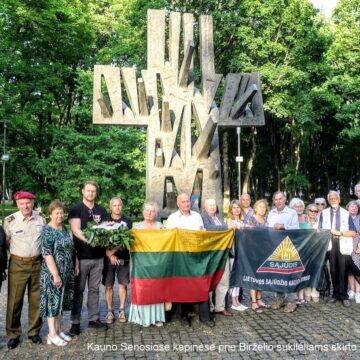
[182, 122]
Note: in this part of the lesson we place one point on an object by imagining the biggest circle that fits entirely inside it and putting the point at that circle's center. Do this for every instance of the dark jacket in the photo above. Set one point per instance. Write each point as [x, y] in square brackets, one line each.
[209, 223]
[3, 256]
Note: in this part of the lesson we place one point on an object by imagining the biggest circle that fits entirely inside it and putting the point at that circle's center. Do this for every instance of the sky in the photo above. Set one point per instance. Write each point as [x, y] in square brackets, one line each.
[326, 6]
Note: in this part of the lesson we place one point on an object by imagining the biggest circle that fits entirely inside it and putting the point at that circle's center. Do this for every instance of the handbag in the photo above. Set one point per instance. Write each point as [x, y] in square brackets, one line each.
[346, 245]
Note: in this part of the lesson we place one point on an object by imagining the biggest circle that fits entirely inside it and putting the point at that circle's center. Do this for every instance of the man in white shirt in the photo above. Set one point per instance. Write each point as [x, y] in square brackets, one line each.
[187, 219]
[280, 218]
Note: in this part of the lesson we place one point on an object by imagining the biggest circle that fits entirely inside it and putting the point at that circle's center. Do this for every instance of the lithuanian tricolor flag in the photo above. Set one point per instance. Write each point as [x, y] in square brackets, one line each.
[175, 265]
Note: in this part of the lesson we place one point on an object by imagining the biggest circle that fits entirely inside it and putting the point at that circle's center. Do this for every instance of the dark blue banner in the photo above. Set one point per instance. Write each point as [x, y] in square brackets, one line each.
[278, 260]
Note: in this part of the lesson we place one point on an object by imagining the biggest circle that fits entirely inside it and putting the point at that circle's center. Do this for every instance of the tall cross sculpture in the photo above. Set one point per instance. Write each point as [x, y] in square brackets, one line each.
[182, 121]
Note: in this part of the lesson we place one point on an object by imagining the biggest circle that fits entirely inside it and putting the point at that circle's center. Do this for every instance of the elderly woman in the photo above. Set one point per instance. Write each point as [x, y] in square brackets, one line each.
[57, 273]
[259, 220]
[354, 292]
[153, 314]
[236, 221]
[214, 222]
[299, 206]
[320, 203]
[309, 293]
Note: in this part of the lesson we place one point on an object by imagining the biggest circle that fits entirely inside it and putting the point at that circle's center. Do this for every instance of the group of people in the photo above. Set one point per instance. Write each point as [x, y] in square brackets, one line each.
[55, 264]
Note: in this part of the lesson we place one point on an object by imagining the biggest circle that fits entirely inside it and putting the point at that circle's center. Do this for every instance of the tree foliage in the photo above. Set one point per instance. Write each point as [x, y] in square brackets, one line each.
[309, 70]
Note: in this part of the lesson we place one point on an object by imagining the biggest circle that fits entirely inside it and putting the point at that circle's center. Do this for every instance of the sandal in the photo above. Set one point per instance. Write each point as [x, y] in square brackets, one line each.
[300, 302]
[258, 309]
[57, 340]
[265, 305]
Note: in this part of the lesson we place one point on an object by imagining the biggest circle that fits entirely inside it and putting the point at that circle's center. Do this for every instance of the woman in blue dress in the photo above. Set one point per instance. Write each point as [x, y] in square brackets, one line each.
[57, 273]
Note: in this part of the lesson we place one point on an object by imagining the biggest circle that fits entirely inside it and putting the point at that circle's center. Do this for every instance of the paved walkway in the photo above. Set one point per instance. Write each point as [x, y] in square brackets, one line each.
[318, 331]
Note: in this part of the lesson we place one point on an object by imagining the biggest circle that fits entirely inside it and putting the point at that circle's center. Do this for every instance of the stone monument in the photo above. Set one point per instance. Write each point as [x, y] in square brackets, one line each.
[182, 121]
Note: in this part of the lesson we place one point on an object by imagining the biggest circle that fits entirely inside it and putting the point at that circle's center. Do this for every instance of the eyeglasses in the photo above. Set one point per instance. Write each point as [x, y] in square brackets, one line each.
[314, 211]
[319, 204]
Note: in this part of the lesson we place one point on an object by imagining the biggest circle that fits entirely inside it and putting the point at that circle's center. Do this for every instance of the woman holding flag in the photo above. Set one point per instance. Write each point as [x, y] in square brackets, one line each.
[153, 314]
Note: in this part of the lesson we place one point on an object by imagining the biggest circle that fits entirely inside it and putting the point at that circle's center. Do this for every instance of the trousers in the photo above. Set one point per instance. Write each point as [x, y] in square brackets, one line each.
[90, 272]
[23, 275]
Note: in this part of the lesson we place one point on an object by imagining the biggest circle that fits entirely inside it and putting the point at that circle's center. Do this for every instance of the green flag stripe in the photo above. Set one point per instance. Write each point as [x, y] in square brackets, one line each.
[173, 264]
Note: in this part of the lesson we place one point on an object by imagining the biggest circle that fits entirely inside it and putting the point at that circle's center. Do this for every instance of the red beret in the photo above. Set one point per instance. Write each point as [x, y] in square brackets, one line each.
[23, 195]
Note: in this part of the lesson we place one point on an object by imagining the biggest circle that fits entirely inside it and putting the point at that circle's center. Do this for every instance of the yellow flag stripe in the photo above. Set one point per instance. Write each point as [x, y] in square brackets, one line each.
[177, 240]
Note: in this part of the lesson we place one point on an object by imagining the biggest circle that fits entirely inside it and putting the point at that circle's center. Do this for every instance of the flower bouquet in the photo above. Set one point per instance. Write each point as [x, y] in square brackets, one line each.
[108, 234]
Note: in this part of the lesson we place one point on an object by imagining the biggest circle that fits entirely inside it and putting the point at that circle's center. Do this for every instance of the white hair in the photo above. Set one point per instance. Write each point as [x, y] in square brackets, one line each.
[333, 192]
[296, 201]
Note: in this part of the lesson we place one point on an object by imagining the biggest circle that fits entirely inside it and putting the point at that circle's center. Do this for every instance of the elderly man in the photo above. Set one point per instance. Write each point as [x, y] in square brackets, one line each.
[23, 230]
[117, 264]
[213, 222]
[184, 218]
[91, 259]
[280, 218]
[337, 219]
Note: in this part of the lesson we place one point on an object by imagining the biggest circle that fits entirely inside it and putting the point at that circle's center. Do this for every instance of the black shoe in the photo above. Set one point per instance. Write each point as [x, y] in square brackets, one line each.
[346, 303]
[185, 321]
[13, 343]
[36, 339]
[97, 325]
[332, 300]
[74, 330]
[209, 323]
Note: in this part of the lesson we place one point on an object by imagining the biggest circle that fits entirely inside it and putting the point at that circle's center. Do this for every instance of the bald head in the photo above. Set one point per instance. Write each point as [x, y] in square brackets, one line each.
[183, 203]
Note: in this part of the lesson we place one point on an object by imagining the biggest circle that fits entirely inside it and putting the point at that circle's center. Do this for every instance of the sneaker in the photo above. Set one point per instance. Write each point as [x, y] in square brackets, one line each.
[357, 298]
[97, 325]
[240, 307]
[110, 318]
[74, 330]
[160, 323]
[351, 294]
[122, 317]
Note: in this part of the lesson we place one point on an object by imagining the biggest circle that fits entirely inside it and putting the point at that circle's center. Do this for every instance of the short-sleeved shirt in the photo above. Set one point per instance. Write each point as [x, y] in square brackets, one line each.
[23, 234]
[192, 221]
[123, 254]
[85, 214]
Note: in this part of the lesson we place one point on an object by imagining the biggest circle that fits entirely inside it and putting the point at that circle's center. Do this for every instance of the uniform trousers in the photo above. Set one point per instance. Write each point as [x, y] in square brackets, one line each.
[22, 275]
[91, 272]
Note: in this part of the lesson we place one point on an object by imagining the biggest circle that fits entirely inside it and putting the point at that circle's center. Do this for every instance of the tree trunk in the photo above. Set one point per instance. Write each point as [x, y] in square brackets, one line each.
[225, 153]
[250, 162]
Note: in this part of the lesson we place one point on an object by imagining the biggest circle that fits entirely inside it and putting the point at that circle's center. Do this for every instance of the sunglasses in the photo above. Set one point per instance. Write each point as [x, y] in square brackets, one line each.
[320, 204]
[314, 211]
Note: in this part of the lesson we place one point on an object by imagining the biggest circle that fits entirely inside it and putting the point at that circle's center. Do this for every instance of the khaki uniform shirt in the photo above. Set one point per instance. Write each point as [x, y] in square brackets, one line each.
[24, 234]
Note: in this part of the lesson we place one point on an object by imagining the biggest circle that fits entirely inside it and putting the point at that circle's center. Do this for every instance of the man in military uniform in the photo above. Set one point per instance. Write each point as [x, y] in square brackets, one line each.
[23, 230]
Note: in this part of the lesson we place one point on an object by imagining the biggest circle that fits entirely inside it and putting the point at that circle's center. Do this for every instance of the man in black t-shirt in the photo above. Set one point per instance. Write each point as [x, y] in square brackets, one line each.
[91, 259]
[116, 263]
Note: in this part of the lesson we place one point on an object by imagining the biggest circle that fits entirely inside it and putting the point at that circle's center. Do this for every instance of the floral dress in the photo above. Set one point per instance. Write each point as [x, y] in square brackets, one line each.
[60, 245]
